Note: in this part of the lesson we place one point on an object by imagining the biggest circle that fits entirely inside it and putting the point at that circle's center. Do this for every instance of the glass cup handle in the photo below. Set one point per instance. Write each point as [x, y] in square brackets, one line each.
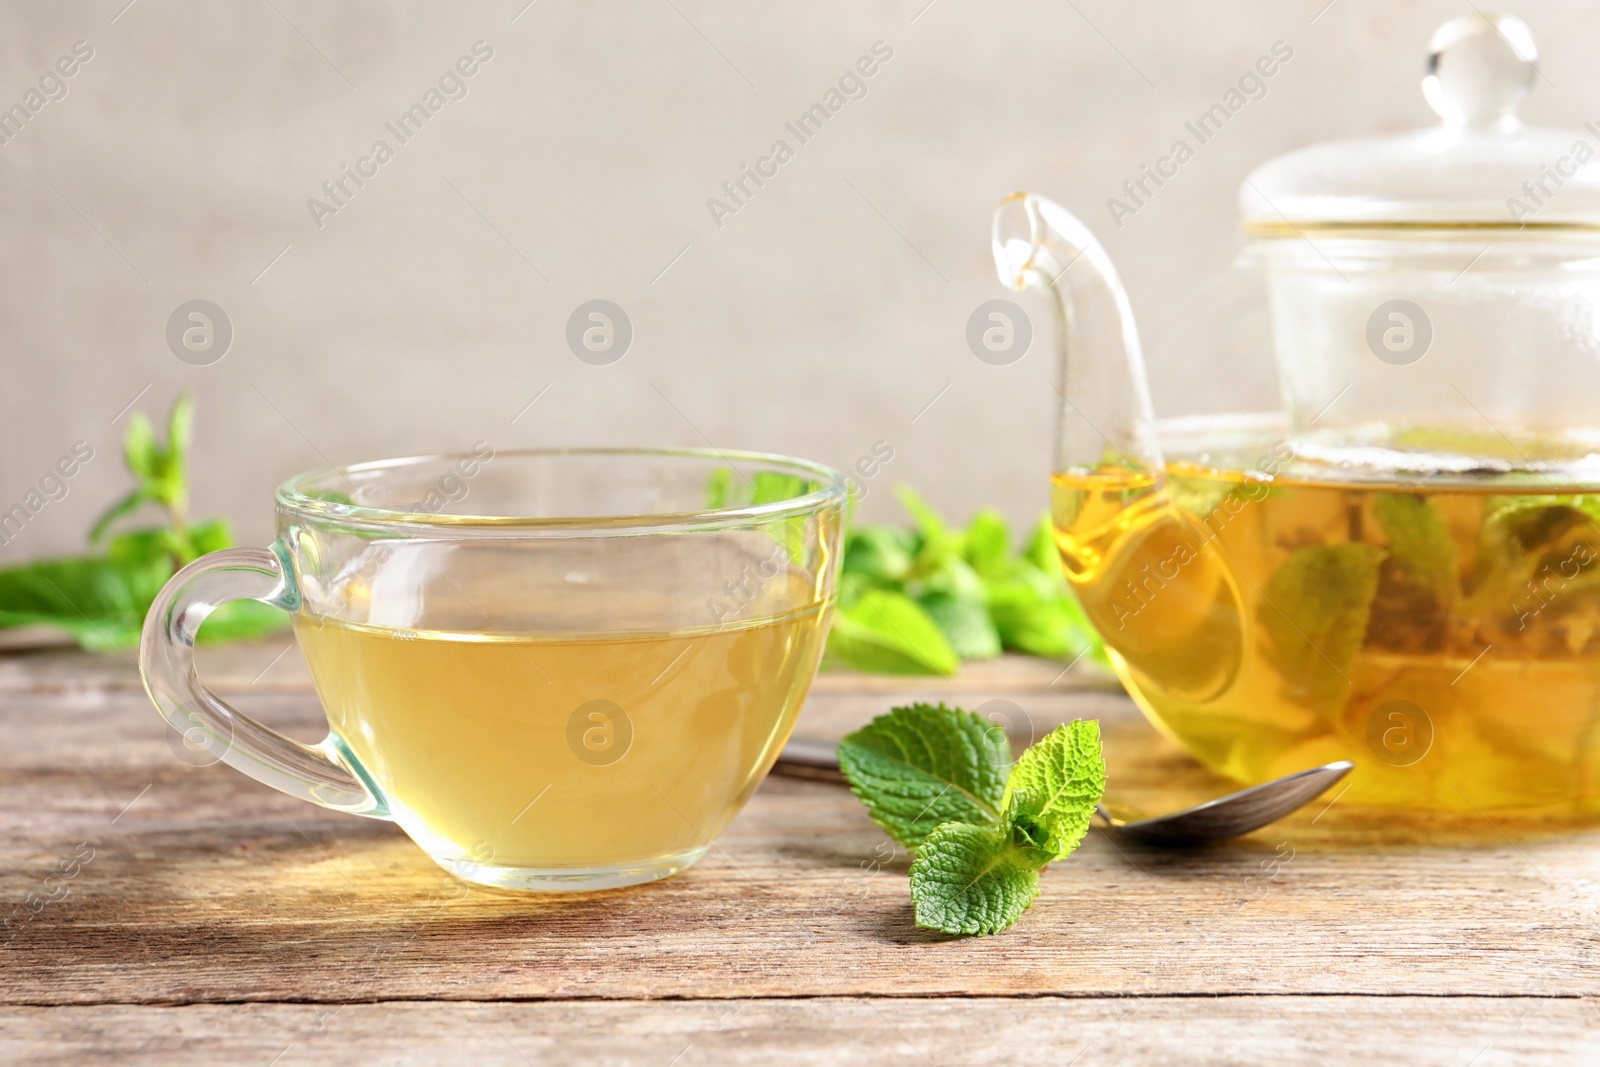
[324, 774]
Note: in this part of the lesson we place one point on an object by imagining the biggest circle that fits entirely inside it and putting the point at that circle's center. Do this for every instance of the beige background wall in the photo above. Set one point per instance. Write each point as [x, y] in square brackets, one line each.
[819, 319]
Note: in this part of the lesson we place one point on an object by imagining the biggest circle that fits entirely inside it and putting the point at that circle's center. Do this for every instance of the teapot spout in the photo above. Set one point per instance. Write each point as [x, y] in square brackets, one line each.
[1104, 415]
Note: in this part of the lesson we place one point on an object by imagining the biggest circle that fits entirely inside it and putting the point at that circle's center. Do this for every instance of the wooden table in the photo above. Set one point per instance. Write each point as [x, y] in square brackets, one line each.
[209, 920]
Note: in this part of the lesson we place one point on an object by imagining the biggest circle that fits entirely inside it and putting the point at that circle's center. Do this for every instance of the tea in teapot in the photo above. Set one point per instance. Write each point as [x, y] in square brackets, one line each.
[1402, 569]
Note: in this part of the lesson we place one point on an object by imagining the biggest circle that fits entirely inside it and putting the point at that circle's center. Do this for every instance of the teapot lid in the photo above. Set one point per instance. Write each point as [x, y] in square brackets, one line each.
[1481, 167]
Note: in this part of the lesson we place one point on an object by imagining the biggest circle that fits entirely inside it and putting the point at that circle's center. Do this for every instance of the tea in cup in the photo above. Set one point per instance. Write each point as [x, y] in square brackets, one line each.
[553, 669]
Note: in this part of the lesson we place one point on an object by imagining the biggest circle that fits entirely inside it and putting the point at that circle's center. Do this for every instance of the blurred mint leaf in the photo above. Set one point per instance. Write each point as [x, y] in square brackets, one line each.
[719, 488]
[987, 544]
[971, 879]
[138, 547]
[1041, 550]
[965, 623]
[1036, 613]
[180, 432]
[144, 457]
[953, 575]
[879, 554]
[928, 522]
[102, 600]
[947, 573]
[926, 764]
[887, 632]
[773, 486]
[210, 536]
[161, 471]
[728, 487]
[240, 620]
[126, 506]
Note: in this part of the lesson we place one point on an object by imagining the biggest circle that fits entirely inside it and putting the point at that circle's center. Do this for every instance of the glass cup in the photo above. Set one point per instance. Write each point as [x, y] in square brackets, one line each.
[554, 669]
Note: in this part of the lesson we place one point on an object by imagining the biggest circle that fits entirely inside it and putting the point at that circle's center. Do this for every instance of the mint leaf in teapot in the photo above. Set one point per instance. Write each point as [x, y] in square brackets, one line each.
[1315, 610]
[1526, 521]
[935, 779]
[1420, 546]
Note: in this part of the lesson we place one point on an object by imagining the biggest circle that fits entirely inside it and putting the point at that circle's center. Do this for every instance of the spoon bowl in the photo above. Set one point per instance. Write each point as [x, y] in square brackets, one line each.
[1233, 815]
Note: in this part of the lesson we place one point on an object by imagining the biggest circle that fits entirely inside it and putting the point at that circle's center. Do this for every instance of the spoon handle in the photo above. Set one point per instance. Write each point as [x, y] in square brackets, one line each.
[808, 757]
[1105, 818]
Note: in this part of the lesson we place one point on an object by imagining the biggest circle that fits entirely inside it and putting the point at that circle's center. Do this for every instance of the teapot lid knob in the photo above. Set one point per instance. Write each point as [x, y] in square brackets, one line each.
[1480, 68]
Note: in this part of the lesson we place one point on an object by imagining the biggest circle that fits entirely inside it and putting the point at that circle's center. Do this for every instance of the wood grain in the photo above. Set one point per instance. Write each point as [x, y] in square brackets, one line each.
[206, 889]
[1085, 1032]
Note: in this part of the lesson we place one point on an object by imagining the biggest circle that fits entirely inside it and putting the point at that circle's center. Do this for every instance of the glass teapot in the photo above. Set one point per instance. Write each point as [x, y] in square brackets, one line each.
[1402, 568]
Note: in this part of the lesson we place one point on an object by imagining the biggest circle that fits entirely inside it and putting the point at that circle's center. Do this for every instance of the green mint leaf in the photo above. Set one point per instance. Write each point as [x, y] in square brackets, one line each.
[1515, 524]
[137, 548]
[924, 765]
[937, 542]
[972, 879]
[1522, 535]
[719, 488]
[1502, 508]
[947, 573]
[965, 623]
[879, 553]
[126, 506]
[210, 536]
[180, 433]
[144, 457]
[100, 601]
[987, 543]
[773, 486]
[1036, 613]
[729, 487]
[1056, 785]
[1420, 546]
[886, 632]
[1030, 829]
[239, 620]
[1041, 550]
[172, 487]
[1315, 612]
[929, 523]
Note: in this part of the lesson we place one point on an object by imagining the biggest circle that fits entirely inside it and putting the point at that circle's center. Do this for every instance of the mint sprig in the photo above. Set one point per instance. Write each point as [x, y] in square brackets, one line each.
[920, 599]
[101, 598]
[940, 781]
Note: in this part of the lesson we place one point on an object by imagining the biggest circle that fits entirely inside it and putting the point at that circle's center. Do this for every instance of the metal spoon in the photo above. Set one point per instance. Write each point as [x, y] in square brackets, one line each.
[1215, 820]
[1233, 815]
